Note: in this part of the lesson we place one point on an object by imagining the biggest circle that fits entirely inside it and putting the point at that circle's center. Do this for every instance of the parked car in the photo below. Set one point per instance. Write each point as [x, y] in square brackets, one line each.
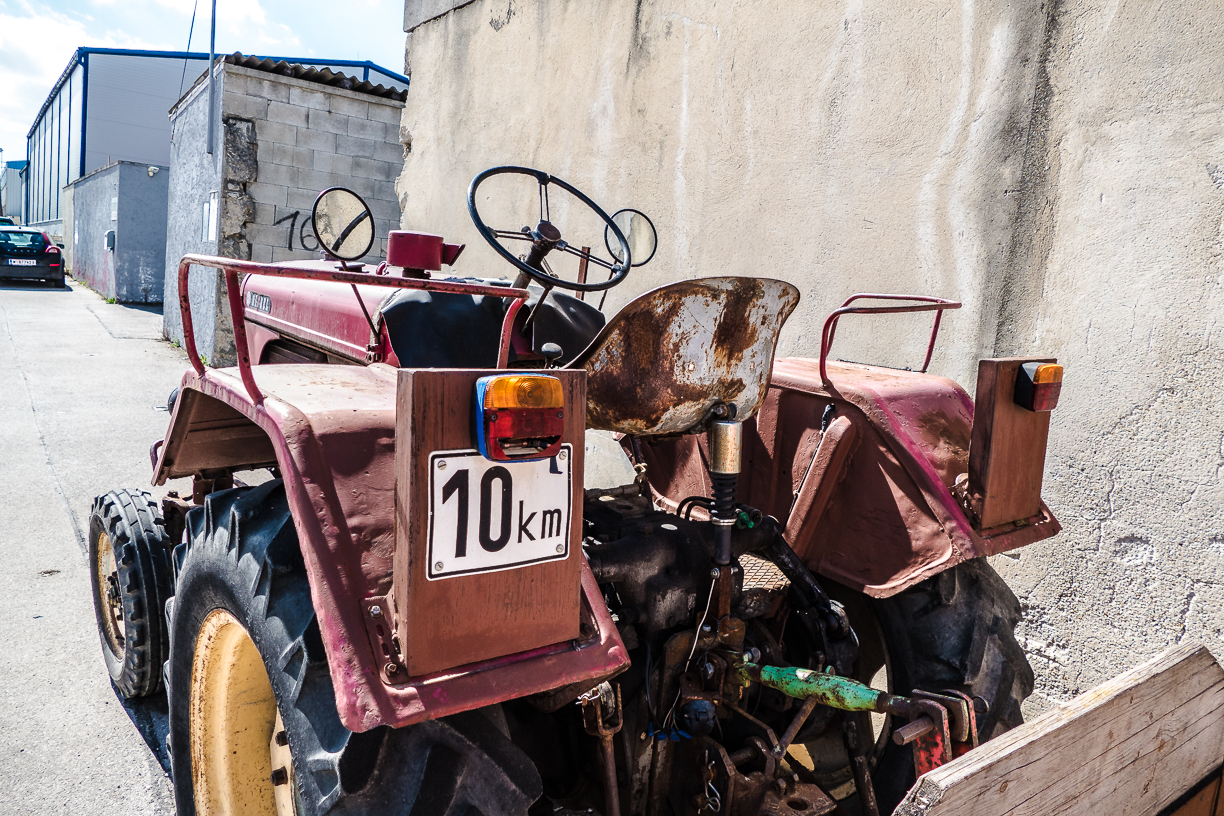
[6, 221]
[30, 254]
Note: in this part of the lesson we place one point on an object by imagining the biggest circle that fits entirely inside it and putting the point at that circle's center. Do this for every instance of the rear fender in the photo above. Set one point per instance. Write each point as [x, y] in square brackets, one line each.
[331, 431]
[872, 505]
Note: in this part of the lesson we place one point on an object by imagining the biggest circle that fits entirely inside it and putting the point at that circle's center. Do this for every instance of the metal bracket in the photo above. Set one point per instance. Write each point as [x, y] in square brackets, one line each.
[380, 625]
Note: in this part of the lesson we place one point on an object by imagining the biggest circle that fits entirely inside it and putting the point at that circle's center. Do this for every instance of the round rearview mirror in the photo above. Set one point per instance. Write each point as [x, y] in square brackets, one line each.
[343, 224]
[638, 230]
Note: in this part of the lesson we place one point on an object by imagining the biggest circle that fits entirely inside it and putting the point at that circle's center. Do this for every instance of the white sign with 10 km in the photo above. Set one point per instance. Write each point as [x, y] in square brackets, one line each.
[487, 516]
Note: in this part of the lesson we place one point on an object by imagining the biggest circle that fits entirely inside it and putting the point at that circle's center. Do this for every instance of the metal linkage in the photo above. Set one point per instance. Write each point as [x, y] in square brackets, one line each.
[596, 705]
[726, 443]
[941, 727]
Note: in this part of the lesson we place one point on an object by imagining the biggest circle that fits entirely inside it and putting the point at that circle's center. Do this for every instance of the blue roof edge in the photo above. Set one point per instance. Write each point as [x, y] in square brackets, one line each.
[83, 51]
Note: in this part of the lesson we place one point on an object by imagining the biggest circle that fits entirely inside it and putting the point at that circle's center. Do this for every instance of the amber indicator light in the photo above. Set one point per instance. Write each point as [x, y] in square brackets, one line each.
[1038, 386]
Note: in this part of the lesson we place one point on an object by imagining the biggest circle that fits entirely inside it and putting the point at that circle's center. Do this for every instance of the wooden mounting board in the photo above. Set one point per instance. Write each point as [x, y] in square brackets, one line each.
[467, 618]
[1008, 446]
[1129, 747]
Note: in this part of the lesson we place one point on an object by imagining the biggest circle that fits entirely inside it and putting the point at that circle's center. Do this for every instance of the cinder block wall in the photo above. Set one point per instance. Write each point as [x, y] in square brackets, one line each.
[303, 138]
[281, 141]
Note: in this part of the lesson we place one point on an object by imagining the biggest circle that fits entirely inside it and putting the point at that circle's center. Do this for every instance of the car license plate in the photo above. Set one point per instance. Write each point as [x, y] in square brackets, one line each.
[23, 262]
[487, 516]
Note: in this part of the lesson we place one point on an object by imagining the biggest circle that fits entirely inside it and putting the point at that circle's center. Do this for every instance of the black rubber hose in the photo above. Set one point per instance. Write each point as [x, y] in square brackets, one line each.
[780, 553]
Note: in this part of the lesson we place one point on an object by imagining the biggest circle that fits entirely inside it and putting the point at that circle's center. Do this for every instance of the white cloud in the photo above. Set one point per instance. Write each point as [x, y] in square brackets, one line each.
[36, 43]
[37, 39]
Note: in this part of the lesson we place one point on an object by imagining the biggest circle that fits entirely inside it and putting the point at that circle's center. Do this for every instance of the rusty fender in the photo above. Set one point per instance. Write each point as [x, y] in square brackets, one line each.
[330, 429]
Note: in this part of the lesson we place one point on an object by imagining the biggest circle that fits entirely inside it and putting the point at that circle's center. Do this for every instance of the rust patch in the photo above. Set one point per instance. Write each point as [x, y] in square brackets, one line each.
[945, 437]
[737, 332]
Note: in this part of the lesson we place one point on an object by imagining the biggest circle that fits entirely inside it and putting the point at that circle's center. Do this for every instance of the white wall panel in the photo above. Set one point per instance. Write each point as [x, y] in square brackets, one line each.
[129, 102]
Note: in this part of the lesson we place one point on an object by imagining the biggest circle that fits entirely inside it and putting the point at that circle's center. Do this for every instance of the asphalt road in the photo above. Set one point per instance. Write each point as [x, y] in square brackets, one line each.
[83, 386]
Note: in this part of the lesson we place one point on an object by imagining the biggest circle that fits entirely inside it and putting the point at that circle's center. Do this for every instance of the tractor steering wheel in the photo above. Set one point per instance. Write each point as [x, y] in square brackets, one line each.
[545, 237]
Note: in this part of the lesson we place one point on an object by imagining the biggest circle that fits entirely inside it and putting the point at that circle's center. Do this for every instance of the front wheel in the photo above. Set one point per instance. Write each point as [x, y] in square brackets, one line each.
[130, 578]
[253, 721]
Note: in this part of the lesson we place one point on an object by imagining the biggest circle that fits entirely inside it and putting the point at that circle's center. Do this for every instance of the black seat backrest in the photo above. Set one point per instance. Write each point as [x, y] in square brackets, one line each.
[447, 330]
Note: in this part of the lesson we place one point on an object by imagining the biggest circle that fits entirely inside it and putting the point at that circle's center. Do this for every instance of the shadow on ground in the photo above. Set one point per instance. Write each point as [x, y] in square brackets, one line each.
[151, 717]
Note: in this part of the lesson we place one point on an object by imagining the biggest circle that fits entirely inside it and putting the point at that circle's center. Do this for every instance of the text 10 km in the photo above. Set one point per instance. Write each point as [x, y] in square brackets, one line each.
[487, 516]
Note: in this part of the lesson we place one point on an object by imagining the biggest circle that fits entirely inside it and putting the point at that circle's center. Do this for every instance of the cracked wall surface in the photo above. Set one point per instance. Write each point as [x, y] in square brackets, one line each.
[1056, 166]
[1123, 282]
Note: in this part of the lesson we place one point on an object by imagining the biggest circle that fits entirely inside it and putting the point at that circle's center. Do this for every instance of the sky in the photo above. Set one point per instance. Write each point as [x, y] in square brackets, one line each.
[37, 39]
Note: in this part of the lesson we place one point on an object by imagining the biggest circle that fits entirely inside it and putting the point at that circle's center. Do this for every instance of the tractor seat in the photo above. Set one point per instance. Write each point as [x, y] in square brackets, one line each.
[663, 363]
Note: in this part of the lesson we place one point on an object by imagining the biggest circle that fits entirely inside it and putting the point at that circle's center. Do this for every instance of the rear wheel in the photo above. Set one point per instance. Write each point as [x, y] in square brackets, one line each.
[953, 631]
[130, 576]
[253, 721]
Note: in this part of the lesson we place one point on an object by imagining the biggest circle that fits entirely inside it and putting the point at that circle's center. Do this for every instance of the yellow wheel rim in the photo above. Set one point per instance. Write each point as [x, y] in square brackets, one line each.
[234, 721]
[110, 601]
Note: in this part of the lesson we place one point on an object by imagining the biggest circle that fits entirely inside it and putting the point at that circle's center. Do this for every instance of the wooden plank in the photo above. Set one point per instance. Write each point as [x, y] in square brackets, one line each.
[1008, 446]
[460, 620]
[1129, 747]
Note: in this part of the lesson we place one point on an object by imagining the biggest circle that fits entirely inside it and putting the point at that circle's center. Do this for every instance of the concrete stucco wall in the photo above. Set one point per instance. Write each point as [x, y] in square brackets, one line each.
[122, 197]
[1056, 167]
[140, 245]
[1117, 272]
[194, 173]
[92, 262]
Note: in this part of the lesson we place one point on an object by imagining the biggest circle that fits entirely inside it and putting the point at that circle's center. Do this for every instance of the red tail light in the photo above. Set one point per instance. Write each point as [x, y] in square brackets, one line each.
[52, 250]
[1038, 386]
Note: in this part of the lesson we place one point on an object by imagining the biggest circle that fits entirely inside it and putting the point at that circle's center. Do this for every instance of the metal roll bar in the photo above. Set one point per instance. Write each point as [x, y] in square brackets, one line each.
[924, 304]
[231, 267]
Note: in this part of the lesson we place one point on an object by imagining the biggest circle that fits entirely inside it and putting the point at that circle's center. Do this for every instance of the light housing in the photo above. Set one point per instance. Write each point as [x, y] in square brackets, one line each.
[1038, 386]
[519, 417]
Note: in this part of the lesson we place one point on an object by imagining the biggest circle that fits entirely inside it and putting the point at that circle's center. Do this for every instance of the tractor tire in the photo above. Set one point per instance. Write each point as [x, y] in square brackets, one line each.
[243, 627]
[955, 630]
[130, 576]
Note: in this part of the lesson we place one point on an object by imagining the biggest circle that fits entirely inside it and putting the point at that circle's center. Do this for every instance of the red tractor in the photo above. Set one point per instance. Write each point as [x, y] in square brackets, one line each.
[412, 604]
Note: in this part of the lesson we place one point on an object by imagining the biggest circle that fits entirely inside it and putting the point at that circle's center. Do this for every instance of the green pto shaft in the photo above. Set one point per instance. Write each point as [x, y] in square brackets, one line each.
[828, 689]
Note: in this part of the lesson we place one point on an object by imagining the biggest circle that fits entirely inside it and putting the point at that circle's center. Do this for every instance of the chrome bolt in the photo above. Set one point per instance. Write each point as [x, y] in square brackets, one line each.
[560, 548]
[441, 465]
[714, 572]
[375, 611]
[562, 455]
[438, 567]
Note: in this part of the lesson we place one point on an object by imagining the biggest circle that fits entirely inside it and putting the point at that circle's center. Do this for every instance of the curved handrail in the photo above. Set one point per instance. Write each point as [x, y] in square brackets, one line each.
[925, 303]
[231, 267]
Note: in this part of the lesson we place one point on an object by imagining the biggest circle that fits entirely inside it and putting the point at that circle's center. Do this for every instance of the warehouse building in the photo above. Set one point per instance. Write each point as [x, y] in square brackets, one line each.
[108, 105]
[109, 111]
[11, 196]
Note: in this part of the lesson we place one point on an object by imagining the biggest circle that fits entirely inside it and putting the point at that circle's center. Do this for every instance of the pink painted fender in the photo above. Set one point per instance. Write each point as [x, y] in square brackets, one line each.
[890, 519]
[331, 431]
